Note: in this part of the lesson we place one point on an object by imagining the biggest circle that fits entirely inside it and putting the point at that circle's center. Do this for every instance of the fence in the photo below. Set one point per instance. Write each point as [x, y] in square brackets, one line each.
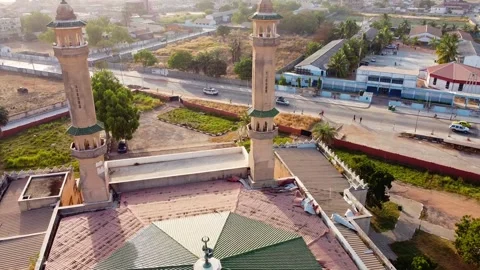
[409, 161]
[28, 58]
[195, 77]
[36, 122]
[20, 116]
[39, 73]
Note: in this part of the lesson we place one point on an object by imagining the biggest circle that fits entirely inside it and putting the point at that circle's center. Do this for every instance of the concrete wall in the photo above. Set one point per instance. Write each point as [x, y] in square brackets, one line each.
[281, 171]
[35, 203]
[178, 180]
[34, 123]
[71, 194]
[29, 71]
[442, 85]
[196, 77]
[34, 112]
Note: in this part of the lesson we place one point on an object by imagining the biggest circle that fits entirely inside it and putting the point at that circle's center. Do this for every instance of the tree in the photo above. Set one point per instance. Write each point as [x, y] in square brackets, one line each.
[242, 14]
[48, 36]
[403, 28]
[120, 34]
[447, 48]
[339, 64]
[378, 180]
[35, 22]
[422, 263]
[346, 29]
[204, 60]
[223, 31]
[3, 117]
[444, 28]
[226, 8]
[385, 22]
[312, 47]
[414, 41]
[114, 106]
[145, 57]
[243, 68]
[285, 6]
[454, 27]
[467, 28]
[301, 23]
[324, 132]
[94, 33]
[282, 81]
[245, 120]
[426, 3]
[204, 5]
[217, 68]
[180, 60]
[433, 23]
[467, 241]
[434, 43]
[424, 22]
[236, 48]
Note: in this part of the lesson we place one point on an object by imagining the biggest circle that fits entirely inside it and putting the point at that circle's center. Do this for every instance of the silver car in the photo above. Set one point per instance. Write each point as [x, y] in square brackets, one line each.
[459, 128]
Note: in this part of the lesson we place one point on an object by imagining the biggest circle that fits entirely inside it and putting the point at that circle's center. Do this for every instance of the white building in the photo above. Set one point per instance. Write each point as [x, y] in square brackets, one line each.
[469, 53]
[438, 9]
[317, 63]
[221, 17]
[206, 23]
[5, 49]
[10, 28]
[454, 77]
[387, 80]
[425, 33]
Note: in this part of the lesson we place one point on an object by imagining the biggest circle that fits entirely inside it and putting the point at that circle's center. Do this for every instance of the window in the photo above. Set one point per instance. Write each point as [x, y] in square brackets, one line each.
[373, 78]
[385, 79]
[460, 87]
[447, 85]
[397, 81]
[434, 81]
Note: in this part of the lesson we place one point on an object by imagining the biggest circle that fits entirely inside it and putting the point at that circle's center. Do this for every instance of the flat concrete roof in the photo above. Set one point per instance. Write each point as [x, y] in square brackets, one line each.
[390, 70]
[151, 170]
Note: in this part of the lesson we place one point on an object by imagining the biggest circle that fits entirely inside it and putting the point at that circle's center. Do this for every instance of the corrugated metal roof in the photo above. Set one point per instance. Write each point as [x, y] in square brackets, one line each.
[15, 254]
[150, 248]
[241, 235]
[189, 231]
[292, 254]
[321, 57]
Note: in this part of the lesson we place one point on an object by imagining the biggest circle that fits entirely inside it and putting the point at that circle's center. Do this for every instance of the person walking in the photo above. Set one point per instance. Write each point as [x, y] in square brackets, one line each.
[354, 117]
[360, 119]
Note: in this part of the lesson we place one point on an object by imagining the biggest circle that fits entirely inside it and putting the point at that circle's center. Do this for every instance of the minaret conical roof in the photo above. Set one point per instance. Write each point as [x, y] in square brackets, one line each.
[65, 17]
[265, 12]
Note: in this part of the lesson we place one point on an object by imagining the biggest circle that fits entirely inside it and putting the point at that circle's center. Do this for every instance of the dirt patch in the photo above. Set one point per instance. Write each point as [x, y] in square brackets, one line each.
[444, 209]
[34, 46]
[155, 134]
[41, 92]
[291, 47]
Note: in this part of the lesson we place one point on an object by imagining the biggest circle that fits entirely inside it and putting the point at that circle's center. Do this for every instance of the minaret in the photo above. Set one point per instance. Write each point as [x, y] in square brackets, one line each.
[72, 51]
[262, 129]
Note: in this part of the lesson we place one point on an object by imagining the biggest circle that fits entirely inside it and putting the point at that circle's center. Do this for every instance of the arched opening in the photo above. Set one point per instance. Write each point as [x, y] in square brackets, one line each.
[260, 32]
[265, 127]
[269, 32]
[258, 126]
[86, 144]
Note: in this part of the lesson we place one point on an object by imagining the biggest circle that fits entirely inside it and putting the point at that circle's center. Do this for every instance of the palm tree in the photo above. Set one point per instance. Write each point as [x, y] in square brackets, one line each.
[466, 28]
[454, 27]
[444, 28]
[447, 48]
[244, 121]
[324, 132]
[434, 43]
[433, 23]
[339, 64]
[415, 41]
[3, 117]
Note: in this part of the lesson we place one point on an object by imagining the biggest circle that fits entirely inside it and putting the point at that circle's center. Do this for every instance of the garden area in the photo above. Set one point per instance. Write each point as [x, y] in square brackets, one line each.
[198, 120]
[44, 146]
[438, 252]
[145, 102]
[285, 119]
[417, 177]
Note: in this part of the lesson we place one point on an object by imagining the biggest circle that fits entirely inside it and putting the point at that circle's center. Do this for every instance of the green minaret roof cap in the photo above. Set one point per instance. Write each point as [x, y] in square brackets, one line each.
[75, 131]
[262, 114]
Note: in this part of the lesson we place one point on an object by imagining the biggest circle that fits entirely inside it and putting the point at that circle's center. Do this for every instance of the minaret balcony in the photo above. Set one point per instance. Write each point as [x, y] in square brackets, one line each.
[262, 134]
[89, 153]
[71, 49]
[265, 40]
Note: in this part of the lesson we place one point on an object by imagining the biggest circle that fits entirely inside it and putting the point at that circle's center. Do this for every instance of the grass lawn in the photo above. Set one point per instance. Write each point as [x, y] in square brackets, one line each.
[280, 139]
[440, 251]
[44, 146]
[285, 119]
[198, 120]
[417, 177]
[385, 219]
[145, 102]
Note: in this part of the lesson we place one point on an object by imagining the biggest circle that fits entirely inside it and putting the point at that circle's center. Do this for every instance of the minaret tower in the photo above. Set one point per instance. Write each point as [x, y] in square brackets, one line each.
[72, 51]
[262, 129]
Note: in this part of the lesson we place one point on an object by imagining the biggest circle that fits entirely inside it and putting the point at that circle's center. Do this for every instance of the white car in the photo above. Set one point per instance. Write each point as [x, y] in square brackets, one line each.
[282, 101]
[459, 128]
[210, 91]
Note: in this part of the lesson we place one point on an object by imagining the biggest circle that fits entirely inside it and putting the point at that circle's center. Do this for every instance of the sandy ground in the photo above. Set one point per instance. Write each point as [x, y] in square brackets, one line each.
[36, 46]
[41, 92]
[443, 208]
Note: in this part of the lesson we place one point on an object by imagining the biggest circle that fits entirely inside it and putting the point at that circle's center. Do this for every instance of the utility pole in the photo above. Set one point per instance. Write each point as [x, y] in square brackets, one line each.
[416, 123]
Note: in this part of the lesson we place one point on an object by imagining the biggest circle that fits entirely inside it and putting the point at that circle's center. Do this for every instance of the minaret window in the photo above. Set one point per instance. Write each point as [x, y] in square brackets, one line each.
[269, 32]
[260, 32]
[258, 126]
[266, 82]
[265, 127]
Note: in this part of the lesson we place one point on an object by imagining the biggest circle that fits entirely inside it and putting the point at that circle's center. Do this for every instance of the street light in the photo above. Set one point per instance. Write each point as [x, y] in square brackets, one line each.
[416, 123]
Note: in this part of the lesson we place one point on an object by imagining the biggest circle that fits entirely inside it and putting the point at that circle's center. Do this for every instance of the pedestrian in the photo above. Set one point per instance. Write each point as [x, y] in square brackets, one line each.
[360, 119]
[354, 117]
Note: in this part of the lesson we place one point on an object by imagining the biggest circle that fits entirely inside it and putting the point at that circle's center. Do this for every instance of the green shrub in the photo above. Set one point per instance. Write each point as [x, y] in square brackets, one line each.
[144, 102]
[197, 120]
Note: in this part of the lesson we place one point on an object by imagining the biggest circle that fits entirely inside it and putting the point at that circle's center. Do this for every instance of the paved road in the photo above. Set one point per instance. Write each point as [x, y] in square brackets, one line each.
[376, 117]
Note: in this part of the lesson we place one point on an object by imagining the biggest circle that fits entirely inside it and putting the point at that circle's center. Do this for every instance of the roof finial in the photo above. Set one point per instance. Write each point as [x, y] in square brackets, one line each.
[208, 252]
[64, 2]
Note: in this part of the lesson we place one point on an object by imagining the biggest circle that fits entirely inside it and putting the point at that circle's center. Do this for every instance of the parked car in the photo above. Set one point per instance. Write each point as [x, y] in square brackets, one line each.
[373, 60]
[463, 123]
[210, 91]
[282, 101]
[364, 63]
[122, 147]
[459, 128]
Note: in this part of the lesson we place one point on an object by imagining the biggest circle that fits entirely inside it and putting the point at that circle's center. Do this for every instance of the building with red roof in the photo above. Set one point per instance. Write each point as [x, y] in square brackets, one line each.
[454, 77]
